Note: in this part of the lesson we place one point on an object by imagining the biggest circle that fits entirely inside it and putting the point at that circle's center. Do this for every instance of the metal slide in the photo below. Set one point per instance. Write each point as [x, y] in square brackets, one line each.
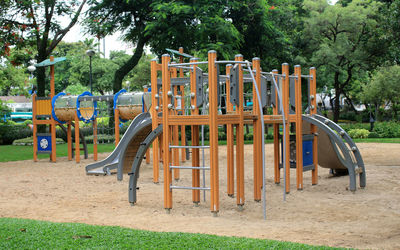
[336, 149]
[134, 174]
[113, 161]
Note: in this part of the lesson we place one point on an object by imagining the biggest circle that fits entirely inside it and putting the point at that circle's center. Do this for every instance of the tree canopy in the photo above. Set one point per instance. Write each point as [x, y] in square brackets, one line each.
[36, 23]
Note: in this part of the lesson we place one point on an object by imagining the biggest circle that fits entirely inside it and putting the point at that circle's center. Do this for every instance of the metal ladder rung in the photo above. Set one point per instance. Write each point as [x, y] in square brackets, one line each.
[172, 146]
[189, 188]
[189, 167]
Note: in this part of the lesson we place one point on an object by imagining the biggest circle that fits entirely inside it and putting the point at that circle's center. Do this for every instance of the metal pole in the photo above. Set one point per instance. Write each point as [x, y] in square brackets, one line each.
[90, 77]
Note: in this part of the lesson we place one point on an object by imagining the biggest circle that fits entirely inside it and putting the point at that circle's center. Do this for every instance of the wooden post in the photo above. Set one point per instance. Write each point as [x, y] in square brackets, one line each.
[299, 128]
[145, 89]
[166, 78]
[153, 112]
[183, 130]
[95, 139]
[175, 128]
[195, 137]
[116, 126]
[69, 140]
[34, 113]
[285, 94]
[277, 172]
[257, 134]
[213, 124]
[240, 138]
[77, 146]
[229, 139]
[313, 128]
[53, 155]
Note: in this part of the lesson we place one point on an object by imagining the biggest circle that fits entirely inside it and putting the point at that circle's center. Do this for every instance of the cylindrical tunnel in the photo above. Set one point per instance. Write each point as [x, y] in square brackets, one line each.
[64, 107]
[132, 104]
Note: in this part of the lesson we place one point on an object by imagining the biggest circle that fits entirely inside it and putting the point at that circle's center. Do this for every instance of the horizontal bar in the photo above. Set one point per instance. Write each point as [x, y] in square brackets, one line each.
[38, 98]
[189, 188]
[189, 167]
[186, 64]
[233, 62]
[177, 81]
[96, 98]
[188, 146]
[184, 67]
[273, 74]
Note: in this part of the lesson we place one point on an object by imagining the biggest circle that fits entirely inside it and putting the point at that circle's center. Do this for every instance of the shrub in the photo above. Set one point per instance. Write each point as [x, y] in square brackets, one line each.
[11, 131]
[387, 129]
[373, 135]
[359, 133]
[29, 141]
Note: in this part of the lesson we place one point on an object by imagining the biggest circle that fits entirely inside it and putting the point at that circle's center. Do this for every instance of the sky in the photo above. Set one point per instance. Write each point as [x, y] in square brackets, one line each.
[111, 42]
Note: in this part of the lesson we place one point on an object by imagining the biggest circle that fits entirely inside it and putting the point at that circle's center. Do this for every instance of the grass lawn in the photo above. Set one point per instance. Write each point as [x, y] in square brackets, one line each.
[31, 234]
[20, 153]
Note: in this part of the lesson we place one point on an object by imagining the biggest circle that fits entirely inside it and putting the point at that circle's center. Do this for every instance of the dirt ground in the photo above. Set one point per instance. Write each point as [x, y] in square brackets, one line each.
[325, 214]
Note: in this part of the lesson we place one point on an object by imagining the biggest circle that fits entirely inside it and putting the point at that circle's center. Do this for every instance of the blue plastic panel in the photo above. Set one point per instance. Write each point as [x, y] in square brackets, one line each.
[307, 153]
[44, 143]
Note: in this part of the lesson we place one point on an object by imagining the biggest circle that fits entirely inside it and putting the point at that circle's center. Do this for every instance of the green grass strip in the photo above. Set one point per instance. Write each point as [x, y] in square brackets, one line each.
[31, 234]
[20, 153]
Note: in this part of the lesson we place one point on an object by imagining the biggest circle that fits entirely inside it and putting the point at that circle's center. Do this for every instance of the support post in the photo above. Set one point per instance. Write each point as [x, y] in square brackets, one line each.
[277, 172]
[229, 139]
[213, 125]
[183, 130]
[95, 139]
[240, 138]
[69, 140]
[175, 128]
[313, 128]
[53, 155]
[257, 134]
[116, 126]
[77, 146]
[299, 128]
[166, 79]
[145, 89]
[34, 113]
[195, 137]
[154, 116]
[285, 94]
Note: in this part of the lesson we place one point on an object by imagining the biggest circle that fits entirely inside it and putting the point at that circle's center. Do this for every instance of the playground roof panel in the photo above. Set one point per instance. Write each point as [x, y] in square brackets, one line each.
[179, 53]
[47, 62]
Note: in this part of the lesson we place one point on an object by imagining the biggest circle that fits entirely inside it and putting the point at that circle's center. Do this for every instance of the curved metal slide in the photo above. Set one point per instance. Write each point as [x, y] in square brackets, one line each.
[134, 174]
[336, 149]
[125, 151]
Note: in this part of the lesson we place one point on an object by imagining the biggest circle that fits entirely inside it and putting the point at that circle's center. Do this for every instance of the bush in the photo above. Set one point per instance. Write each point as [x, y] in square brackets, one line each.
[359, 133]
[373, 135]
[29, 141]
[387, 129]
[11, 131]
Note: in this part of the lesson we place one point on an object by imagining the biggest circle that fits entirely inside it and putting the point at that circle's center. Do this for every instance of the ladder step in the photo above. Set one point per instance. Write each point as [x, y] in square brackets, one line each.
[172, 146]
[189, 188]
[189, 167]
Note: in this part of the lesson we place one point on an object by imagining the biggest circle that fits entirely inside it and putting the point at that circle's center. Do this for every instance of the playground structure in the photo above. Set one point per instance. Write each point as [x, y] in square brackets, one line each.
[195, 99]
[281, 91]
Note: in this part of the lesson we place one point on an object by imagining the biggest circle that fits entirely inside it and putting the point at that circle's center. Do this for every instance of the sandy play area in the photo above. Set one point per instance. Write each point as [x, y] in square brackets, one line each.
[325, 214]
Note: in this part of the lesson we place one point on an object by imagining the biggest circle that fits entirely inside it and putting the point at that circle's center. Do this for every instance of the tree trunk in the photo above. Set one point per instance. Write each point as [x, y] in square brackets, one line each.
[336, 108]
[41, 76]
[129, 65]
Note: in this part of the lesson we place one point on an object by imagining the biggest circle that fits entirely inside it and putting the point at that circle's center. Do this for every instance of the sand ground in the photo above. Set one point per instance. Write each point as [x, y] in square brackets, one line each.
[325, 214]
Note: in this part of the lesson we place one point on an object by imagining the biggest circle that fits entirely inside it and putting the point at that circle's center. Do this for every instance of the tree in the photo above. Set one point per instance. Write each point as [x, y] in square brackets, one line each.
[36, 23]
[13, 80]
[195, 25]
[384, 89]
[343, 42]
